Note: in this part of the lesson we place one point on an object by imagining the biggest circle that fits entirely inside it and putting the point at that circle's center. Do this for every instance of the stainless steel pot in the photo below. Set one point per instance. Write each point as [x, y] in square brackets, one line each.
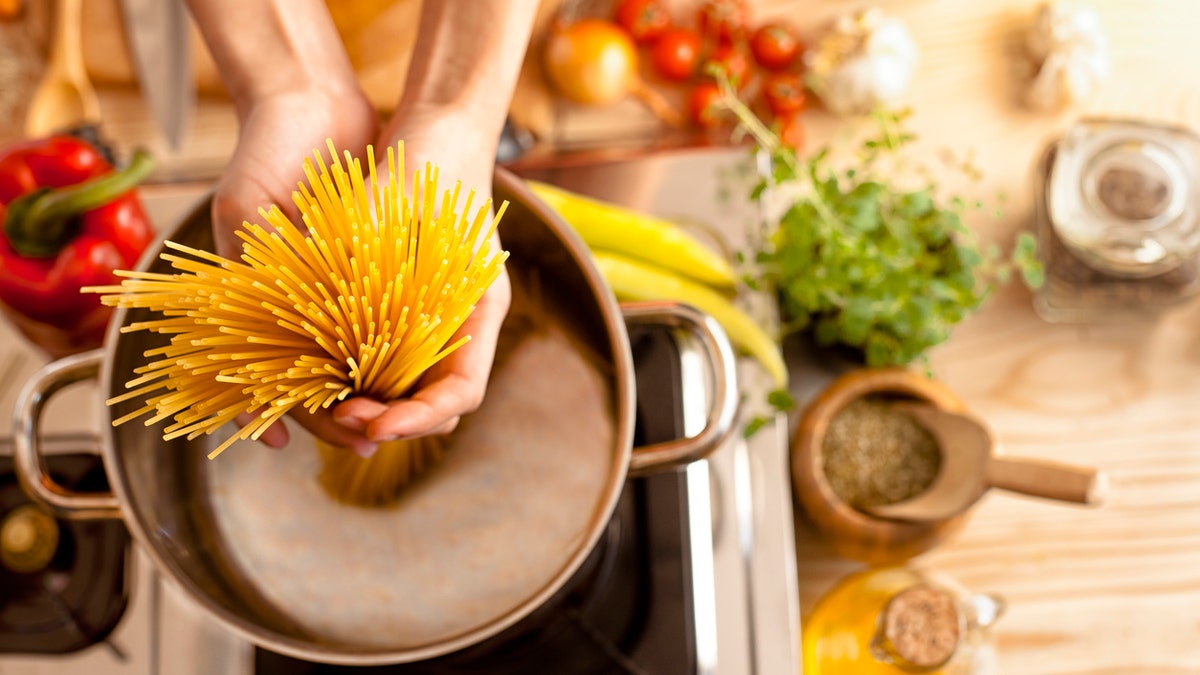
[524, 494]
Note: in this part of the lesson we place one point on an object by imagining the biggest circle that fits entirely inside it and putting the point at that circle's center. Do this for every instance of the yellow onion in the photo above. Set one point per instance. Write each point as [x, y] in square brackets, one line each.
[594, 62]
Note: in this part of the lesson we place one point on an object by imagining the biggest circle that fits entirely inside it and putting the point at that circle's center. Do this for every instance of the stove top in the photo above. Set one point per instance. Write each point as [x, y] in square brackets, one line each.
[63, 584]
[727, 557]
[631, 617]
[629, 608]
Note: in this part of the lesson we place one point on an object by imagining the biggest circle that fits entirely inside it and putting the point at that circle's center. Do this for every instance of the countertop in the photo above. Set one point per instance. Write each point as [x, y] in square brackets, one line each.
[1113, 590]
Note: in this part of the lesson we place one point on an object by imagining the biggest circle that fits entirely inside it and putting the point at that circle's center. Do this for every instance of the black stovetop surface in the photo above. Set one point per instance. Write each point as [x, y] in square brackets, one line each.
[628, 610]
[78, 597]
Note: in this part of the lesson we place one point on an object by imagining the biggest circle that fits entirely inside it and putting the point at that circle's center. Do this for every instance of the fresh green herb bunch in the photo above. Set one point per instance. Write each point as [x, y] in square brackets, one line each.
[860, 260]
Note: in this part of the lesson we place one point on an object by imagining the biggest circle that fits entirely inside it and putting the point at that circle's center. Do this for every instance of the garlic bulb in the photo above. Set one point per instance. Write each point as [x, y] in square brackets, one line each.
[1068, 54]
[865, 60]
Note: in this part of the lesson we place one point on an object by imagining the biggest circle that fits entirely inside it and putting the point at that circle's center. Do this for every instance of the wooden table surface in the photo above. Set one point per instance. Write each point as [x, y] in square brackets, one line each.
[1114, 590]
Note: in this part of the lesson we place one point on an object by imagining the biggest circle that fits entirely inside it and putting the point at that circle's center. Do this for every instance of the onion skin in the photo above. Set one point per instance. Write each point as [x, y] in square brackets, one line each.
[591, 62]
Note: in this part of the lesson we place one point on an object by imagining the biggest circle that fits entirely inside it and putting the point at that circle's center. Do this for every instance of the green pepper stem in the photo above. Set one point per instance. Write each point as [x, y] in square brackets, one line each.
[39, 224]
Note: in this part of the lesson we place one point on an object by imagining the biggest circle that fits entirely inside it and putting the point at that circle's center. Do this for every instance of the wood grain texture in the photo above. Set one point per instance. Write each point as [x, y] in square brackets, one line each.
[1114, 590]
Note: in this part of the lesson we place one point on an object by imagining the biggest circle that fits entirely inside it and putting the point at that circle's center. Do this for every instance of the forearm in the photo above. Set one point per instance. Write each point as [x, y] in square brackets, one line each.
[267, 47]
[466, 60]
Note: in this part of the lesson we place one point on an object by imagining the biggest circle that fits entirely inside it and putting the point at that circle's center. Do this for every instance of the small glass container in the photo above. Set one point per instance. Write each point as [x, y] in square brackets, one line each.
[1118, 219]
[898, 620]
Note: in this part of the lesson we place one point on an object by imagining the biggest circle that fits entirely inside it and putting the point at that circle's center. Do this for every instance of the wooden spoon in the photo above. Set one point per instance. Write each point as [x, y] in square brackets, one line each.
[970, 467]
[65, 98]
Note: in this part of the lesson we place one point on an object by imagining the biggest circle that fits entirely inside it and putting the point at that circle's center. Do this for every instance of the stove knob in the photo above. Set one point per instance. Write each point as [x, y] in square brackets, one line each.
[28, 539]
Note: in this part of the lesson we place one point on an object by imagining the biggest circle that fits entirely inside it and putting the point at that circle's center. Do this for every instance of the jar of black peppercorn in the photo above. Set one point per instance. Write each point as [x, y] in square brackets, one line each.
[1118, 220]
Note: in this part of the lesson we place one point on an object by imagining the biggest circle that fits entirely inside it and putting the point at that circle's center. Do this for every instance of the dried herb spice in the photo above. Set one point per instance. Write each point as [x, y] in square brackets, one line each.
[875, 454]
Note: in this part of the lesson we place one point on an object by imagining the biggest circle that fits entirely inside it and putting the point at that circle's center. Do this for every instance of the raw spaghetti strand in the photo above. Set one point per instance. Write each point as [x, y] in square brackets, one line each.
[361, 298]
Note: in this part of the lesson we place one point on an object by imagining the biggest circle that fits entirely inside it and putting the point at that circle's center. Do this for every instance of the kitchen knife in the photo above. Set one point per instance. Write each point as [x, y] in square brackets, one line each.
[158, 36]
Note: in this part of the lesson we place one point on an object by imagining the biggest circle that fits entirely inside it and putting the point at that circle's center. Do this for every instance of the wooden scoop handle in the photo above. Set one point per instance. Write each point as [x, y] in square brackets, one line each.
[1051, 480]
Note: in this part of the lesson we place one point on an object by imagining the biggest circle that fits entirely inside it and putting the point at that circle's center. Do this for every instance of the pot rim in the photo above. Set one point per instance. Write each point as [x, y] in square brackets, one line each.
[513, 190]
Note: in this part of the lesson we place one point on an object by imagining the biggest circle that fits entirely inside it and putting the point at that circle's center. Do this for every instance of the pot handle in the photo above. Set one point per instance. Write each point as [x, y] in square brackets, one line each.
[724, 402]
[27, 442]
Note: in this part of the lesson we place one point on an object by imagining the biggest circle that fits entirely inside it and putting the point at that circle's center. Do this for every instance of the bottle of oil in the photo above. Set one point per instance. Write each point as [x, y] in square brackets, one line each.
[898, 620]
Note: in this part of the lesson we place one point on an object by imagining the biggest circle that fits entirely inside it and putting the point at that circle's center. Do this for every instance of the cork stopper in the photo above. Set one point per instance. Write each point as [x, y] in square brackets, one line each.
[921, 626]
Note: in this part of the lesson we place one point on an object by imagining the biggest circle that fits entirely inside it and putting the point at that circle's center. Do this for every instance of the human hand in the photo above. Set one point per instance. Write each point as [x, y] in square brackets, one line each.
[456, 385]
[295, 86]
[277, 133]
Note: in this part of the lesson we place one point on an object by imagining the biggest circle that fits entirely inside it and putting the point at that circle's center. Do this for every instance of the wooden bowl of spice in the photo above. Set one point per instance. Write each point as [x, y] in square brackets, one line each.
[852, 450]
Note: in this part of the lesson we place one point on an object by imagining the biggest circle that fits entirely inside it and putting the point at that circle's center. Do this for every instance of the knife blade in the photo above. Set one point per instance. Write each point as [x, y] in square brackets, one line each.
[157, 31]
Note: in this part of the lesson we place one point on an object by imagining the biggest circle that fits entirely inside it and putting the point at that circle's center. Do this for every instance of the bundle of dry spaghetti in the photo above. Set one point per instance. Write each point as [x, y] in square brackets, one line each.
[360, 300]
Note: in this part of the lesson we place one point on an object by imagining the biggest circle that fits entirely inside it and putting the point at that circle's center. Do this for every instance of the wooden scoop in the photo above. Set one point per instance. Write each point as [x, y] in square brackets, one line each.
[65, 98]
[970, 466]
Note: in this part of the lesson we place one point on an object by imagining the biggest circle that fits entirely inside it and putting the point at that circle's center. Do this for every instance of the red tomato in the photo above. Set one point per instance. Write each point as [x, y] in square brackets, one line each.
[703, 105]
[676, 54]
[791, 130]
[774, 46]
[784, 93]
[733, 62]
[724, 20]
[644, 20]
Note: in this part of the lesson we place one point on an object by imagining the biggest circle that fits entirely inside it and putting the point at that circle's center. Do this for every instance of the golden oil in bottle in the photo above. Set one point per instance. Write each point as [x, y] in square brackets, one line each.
[891, 621]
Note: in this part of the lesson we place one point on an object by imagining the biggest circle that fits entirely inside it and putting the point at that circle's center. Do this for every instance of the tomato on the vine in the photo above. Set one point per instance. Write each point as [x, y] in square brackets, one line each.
[724, 20]
[644, 20]
[733, 62]
[774, 46]
[675, 54]
[784, 93]
[703, 105]
[791, 130]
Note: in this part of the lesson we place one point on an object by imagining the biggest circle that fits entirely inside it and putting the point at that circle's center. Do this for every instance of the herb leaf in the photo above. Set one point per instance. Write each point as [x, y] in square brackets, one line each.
[862, 259]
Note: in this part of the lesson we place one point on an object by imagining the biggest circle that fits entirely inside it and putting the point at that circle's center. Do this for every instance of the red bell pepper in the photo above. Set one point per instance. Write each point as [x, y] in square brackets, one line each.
[69, 220]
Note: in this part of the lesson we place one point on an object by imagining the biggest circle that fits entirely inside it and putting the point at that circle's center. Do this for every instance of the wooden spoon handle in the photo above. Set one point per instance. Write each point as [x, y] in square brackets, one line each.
[1051, 480]
[66, 52]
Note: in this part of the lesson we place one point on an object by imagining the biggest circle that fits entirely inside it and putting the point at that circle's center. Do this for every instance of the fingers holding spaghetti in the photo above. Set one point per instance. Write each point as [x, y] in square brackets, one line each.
[374, 293]
[274, 436]
[322, 425]
[450, 389]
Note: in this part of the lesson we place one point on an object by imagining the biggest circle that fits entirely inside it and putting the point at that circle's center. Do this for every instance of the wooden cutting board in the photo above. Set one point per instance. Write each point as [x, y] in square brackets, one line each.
[378, 35]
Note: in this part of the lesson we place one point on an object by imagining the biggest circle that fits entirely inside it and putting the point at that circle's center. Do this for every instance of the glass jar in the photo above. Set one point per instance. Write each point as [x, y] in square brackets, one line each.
[1118, 219]
[889, 621]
